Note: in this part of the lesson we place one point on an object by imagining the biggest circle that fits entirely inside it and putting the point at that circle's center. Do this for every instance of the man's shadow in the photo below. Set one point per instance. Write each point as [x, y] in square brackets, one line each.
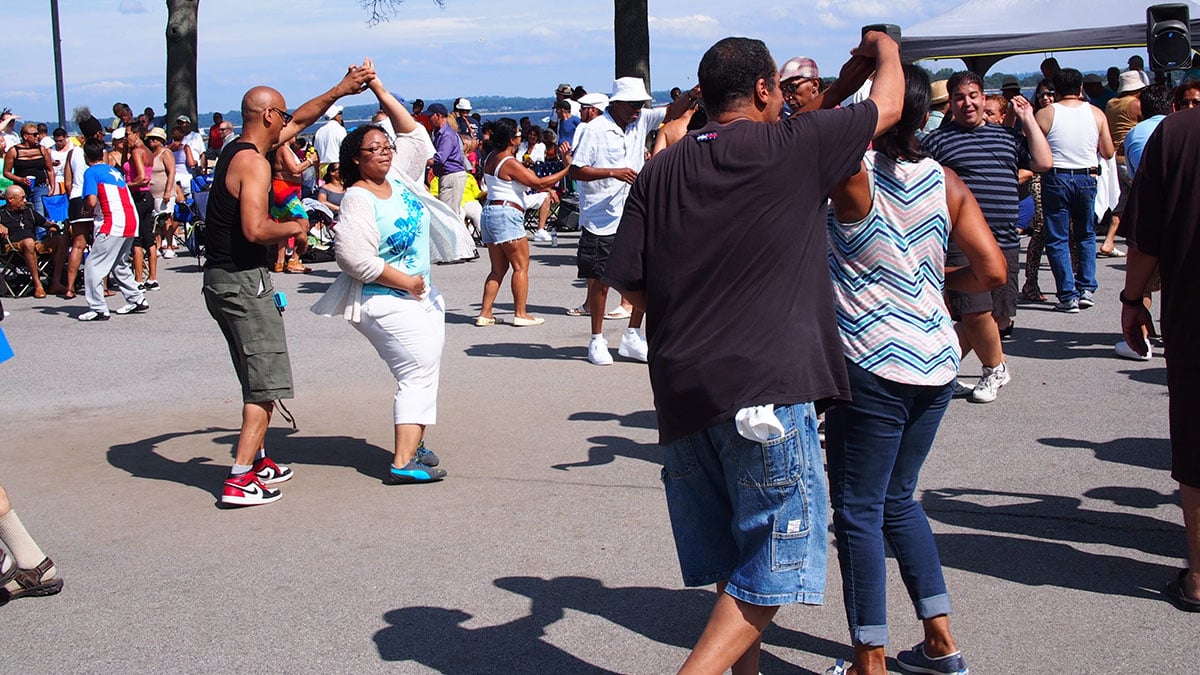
[141, 458]
[608, 448]
[1148, 453]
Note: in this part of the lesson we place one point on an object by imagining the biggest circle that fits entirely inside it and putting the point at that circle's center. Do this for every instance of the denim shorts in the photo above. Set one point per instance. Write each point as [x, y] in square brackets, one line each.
[502, 223]
[753, 514]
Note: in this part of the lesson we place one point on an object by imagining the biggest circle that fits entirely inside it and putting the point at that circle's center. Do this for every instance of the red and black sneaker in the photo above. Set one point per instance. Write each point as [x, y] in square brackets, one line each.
[270, 473]
[247, 490]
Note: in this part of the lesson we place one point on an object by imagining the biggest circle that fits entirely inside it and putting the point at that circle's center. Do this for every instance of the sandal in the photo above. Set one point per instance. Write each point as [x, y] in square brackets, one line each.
[581, 310]
[1033, 295]
[32, 583]
[297, 267]
[1174, 593]
[482, 321]
[618, 313]
[278, 268]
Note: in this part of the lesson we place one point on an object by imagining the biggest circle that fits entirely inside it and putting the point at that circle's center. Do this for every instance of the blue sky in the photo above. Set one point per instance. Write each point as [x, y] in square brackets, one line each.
[115, 49]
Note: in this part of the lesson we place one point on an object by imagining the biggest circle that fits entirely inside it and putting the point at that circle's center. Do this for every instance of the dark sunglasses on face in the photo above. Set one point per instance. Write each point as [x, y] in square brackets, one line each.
[287, 117]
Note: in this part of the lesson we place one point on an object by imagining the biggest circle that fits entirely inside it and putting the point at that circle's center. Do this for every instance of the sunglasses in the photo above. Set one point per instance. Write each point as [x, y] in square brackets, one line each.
[287, 117]
[791, 86]
[1189, 103]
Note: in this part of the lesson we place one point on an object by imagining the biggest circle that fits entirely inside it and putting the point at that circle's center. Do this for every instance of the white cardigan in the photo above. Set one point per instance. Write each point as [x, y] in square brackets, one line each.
[356, 247]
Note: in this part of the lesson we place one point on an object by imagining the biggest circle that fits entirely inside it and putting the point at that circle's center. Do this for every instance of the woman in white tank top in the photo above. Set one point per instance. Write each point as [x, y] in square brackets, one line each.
[503, 225]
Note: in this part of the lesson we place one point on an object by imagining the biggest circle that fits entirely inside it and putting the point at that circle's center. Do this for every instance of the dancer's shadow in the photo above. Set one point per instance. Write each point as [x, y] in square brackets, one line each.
[1156, 375]
[642, 419]
[1133, 497]
[1148, 453]
[538, 352]
[1052, 517]
[607, 449]
[436, 638]
[1038, 343]
[141, 458]
[644, 610]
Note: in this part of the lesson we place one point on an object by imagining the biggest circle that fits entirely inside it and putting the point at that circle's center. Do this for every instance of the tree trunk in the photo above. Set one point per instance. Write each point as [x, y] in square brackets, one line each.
[181, 60]
[631, 28]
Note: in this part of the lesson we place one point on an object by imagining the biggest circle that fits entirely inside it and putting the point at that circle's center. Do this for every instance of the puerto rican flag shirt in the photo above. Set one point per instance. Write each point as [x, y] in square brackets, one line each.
[116, 216]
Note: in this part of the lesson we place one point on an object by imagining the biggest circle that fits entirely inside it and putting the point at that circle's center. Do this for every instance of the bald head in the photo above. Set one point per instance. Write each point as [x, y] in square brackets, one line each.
[15, 197]
[259, 99]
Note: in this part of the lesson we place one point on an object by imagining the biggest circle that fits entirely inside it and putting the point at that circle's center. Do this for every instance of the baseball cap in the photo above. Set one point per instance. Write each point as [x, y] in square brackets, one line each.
[183, 118]
[800, 66]
[334, 111]
[437, 109]
[599, 101]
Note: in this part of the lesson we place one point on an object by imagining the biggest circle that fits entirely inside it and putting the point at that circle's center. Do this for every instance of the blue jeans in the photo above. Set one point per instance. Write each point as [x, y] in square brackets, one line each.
[34, 197]
[750, 513]
[1068, 200]
[875, 447]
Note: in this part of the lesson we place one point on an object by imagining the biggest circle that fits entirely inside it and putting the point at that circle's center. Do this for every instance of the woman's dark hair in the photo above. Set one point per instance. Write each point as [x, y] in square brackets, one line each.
[1044, 85]
[900, 142]
[1156, 100]
[1182, 90]
[333, 166]
[349, 152]
[730, 70]
[504, 130]
[488, 146]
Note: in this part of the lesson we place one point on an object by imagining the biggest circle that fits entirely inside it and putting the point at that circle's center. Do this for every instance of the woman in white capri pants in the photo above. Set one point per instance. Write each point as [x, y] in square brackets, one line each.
[383, 249]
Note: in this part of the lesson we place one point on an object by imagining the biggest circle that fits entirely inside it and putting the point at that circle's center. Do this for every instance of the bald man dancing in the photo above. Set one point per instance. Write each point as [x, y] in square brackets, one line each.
[237, 287]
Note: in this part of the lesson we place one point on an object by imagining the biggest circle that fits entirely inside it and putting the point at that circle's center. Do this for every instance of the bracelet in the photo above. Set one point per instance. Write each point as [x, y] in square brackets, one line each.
[1129, 303]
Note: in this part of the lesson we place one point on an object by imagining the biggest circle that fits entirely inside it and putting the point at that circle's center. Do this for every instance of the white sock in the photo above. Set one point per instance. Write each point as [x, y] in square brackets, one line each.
[24, 549]
[239, 469]
[262, 454]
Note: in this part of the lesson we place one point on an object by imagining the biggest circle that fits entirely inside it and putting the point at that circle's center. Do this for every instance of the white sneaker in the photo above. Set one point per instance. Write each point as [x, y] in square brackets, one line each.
[989, 385]
[634, 346]
[168, 253]
[541, 235]
[1126, 352]
[598, 352]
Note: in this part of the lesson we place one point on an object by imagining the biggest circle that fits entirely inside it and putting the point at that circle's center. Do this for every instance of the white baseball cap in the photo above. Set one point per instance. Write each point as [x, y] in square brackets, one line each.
[334, 111]
[599, 101]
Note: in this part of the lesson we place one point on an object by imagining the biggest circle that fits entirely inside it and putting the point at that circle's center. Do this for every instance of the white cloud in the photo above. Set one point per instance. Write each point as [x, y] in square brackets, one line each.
[22, 94]
[131, 7]
[696, 25]
[104, 86]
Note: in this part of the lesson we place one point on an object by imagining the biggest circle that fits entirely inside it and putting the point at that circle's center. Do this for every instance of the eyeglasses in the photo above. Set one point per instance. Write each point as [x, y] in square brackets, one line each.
[791, 86]
[379, 149]
[1189, 103]
[1045, 92]
[287, 117]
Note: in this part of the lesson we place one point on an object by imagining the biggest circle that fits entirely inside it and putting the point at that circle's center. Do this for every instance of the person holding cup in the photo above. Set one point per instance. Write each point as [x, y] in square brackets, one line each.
[28, 165]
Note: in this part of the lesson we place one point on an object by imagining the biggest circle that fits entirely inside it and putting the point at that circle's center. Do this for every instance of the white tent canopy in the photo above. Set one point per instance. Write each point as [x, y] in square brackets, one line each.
[982, 32]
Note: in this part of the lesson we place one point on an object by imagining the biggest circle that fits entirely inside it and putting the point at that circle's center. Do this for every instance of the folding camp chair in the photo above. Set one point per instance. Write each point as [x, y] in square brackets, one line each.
[15, 279]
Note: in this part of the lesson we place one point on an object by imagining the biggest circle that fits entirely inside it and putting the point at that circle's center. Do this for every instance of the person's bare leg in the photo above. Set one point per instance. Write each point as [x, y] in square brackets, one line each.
[255, 419]
[74, 260]
[29, 251]
[408, 437]
[1191, 525]
[1110, 237]
[59, 242]
[544, 213]
[152, 262]
[869, 660]
[938, 641]
[597, 298]
[732, 636]
[517, 253]
[139, 263]
[491, 285]
[978, 331]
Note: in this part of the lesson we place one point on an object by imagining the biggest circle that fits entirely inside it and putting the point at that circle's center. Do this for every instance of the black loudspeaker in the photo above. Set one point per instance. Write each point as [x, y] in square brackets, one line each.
[1168, 37]
[891, 29]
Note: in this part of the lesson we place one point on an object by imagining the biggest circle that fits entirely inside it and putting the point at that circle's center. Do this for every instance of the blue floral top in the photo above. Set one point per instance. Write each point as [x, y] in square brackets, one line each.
[403, 224]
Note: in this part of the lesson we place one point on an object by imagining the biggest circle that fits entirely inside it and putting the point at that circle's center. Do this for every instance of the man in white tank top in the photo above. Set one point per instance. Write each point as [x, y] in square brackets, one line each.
[1077, 132]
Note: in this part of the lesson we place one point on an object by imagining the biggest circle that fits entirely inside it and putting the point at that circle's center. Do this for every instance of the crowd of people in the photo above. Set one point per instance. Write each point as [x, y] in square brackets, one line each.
[857, 239]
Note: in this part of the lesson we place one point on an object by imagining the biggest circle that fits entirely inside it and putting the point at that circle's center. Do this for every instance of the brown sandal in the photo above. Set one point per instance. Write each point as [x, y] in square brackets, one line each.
[6, 576]
[31, 583]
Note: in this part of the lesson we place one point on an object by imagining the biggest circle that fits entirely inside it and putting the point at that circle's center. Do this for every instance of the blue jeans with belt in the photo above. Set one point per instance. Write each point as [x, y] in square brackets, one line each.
[875, 447]
[35, 195]
[1069, 202]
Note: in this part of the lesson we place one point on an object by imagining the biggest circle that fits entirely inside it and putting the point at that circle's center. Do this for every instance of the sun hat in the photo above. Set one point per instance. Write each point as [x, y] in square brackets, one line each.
[800, 66]
[630, 90]
[1010, 82]
[1130, 80]
[118, 133]
[462, 104]
[158, 133]
[939, 92]
[564, 89]
[598, 101]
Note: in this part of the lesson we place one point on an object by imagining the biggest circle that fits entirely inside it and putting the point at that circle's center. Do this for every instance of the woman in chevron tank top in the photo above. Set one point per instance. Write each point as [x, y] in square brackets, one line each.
[887, 245]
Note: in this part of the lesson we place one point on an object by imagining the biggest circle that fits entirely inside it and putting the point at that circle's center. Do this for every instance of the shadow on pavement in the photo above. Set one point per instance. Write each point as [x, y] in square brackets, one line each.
[1037, 343]
[528, 351]
[608, 448]
[1150, 376]
[141, 459]
[642, 419]
[1134, 497]
[1148, 453]
[1052, 517]
[670, 617]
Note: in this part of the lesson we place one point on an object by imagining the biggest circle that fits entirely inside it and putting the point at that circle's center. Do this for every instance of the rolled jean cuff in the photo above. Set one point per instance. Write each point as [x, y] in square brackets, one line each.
[870, 636]
[935, 605]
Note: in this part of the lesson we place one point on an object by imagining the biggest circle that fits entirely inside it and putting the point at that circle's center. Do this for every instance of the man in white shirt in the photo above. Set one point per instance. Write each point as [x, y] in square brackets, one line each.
[194, 141]
[328, 139]
[609, 152]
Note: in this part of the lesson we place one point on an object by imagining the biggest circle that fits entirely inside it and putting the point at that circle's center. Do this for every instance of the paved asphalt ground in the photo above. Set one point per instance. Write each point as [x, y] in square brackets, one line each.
[547, 549]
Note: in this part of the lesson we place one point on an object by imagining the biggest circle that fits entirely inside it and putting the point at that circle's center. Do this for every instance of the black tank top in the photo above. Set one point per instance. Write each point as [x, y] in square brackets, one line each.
[228, 248]
[30, 162]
